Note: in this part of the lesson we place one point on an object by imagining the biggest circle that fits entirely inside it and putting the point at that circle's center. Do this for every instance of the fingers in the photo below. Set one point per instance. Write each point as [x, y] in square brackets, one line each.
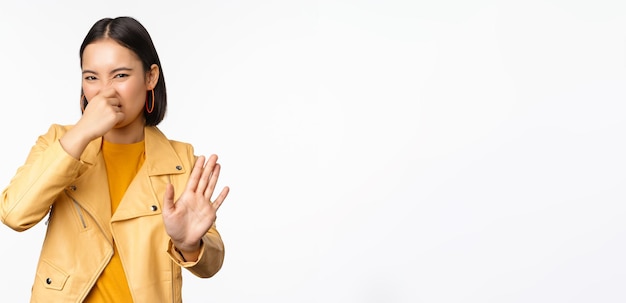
[105, 103]
[206, 174]
[215, 174]
[168, 198]
[204, 177]
[196, 173]
[220, 199]
[107, 96]
[102, 114]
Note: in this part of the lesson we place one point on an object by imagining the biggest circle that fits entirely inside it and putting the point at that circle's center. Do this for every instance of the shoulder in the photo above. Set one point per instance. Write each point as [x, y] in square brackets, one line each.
[185, 152]
[180, 147]
[59, 128]
[55, 131]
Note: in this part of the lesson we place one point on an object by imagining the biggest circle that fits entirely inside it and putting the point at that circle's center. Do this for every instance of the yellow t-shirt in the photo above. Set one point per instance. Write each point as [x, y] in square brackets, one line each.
[122, 163]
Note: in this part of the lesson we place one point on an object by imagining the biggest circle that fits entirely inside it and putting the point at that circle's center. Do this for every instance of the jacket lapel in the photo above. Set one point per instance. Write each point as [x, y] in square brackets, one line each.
[161, 161]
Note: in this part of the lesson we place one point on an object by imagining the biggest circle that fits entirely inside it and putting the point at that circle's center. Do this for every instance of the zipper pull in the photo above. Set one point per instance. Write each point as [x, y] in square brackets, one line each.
[49, 215]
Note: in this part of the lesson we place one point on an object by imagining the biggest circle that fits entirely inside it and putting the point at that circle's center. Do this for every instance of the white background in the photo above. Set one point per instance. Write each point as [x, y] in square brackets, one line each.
[377, 151]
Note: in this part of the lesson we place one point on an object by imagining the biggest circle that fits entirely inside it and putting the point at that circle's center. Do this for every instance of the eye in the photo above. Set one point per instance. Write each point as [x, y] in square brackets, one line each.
[121, 76]
[90, 78]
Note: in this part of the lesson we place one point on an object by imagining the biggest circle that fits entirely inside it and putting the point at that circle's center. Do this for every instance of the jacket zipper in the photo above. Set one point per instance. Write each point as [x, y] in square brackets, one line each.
[78, 210]
[172, 279]
[82, 220]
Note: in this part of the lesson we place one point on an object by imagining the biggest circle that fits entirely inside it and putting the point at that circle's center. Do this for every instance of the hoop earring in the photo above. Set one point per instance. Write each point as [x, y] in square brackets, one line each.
[150, 108]
[83, 102]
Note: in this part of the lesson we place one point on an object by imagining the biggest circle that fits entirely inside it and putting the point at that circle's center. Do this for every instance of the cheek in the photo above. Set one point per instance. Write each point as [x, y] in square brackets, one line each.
[131, 91]
[89, 91]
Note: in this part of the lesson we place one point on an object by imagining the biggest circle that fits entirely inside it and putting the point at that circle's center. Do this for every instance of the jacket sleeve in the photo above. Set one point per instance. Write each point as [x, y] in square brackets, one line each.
[211, 255]
[210, 259]
[32, 191]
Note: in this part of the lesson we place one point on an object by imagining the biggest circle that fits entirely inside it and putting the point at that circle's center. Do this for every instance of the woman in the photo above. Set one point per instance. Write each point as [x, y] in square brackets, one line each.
[127, 207]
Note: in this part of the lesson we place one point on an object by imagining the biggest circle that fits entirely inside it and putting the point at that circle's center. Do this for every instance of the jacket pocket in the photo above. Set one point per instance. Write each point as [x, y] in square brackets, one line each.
[50, 276]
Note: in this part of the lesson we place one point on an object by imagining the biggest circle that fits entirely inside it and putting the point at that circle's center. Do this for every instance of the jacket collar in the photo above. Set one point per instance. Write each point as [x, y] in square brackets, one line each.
[161, 158]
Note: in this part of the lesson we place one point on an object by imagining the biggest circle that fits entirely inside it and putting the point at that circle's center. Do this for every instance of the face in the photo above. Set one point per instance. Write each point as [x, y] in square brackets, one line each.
[105, 63]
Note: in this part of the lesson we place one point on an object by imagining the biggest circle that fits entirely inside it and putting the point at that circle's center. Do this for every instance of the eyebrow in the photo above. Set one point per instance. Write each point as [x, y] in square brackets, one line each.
[87, 71]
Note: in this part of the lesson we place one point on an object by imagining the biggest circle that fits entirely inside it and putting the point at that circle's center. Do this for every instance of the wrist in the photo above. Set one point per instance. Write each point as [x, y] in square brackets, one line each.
[74, 143]
[187, 247]
[188, 253]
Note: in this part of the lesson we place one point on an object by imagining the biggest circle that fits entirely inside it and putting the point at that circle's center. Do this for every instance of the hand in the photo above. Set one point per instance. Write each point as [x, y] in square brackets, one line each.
[101, 115]
[193, 214]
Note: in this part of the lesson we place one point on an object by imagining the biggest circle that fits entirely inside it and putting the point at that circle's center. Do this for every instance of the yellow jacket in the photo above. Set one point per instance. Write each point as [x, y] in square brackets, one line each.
[78, 241]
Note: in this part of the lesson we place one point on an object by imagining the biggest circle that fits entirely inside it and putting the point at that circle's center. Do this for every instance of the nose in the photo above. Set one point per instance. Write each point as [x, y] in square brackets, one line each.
[104, 85]
[107, 84]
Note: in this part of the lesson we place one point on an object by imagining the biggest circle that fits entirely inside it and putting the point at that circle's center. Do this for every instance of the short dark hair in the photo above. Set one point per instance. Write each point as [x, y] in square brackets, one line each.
[131, 34]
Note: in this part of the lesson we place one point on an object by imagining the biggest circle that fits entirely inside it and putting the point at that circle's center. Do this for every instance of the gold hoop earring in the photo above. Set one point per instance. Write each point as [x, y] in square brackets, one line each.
[150, 108]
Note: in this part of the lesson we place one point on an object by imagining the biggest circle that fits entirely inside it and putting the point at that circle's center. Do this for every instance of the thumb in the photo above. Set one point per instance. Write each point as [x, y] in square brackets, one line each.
[168, 198]
[120, 117]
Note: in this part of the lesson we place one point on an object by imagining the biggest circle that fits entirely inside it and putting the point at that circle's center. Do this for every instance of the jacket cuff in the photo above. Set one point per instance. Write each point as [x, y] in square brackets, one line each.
[177, 257]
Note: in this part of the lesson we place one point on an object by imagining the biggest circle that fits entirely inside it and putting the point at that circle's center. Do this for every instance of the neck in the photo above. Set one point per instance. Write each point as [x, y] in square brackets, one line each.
[128, 134]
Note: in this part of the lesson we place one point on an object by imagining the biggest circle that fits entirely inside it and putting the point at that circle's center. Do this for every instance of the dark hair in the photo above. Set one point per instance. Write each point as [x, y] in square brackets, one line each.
[129, 33]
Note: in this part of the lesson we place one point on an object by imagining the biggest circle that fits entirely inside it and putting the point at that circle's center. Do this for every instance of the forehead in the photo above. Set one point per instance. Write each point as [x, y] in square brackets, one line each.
[108, 54]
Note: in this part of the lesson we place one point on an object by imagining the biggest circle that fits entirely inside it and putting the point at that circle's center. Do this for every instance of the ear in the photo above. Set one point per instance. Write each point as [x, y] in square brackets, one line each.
[152, 76]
